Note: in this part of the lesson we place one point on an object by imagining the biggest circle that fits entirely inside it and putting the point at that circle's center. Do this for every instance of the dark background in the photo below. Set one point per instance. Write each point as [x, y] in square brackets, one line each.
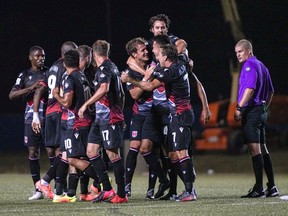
[48, 23]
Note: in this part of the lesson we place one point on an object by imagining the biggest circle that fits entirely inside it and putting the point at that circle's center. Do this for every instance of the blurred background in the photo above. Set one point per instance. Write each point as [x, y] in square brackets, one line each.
[203, 24]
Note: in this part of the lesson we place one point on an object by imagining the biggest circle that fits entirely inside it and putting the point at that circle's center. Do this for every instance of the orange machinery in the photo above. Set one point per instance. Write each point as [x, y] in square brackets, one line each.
[223, 133]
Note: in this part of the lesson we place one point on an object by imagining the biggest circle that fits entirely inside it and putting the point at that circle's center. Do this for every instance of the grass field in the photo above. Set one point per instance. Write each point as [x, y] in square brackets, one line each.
[218, 194]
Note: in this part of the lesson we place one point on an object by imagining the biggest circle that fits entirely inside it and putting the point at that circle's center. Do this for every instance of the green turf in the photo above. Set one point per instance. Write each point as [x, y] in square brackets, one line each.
[218, 194]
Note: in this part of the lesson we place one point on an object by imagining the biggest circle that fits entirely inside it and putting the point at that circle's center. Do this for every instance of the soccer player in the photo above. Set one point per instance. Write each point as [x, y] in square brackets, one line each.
[26, 84]
[142, 133]
[175, 76]
[107, 129]
[77, 129]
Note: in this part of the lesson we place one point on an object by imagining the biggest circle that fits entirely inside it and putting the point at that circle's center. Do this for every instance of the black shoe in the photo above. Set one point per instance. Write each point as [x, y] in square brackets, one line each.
[272, 191]
[169, 196]
[150, 194]
[255, 193]
[162, 188]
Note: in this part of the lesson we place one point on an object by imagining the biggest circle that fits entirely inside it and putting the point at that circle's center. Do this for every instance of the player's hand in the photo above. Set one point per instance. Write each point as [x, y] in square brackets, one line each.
[149, 72]
[237, 115]
[125, 77]
[36, 125]
[205, 116]
[81, 111]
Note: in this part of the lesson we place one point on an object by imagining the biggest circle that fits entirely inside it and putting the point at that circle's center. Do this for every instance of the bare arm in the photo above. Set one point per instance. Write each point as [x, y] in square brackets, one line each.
[134, 66]
[181, 45]
[16, 93]
[66, 100]
[36, 125]
[248, 93]
[101, 91]
[145, 85]
[205, 114]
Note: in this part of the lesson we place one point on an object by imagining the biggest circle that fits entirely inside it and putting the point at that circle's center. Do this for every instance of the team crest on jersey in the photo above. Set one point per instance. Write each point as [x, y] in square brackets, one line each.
[54, 68]
[247, 68]
[134, 134]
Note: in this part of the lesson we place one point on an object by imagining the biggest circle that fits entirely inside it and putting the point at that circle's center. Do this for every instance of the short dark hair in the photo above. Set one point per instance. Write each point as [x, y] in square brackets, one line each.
[71, 58]
[160, 17]
[131, 46]
[34, 48]
[170, 51]
[84, 51]
[101, 47]
[161, 39]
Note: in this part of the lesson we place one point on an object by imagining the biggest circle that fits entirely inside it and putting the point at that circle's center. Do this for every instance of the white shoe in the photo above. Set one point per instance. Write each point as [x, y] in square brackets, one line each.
[36, 196]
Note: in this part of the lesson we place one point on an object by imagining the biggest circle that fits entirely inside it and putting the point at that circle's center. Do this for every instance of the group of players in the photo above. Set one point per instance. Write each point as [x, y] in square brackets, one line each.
[84, 119]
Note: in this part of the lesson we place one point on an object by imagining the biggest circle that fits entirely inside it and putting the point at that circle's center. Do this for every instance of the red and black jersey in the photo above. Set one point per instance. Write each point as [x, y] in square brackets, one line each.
[77, 84]
[109, 107]
[25, 79]
[54, 79]
[177, 86]
[144, 103]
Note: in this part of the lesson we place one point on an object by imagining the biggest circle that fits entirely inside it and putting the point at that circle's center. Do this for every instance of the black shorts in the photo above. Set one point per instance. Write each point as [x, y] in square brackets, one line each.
[253, 124]
[180, 131]
[31, 138]
[52, 130]
[76, 142]
[152, 128]
[136, 126]
[107, 136]
[63, 130]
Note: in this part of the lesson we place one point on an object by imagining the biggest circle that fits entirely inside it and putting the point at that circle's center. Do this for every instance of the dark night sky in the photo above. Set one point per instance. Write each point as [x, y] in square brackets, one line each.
[48, 23]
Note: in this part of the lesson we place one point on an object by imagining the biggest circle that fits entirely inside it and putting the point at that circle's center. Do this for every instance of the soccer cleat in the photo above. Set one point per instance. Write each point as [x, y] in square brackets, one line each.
[87, 197]
[272, 192]
[64, 198]
[45, 189]
[162, 188]
[128, 190]
[116, 199]
[94, 189]
[36, 196]
[150, 194]
[172, 197]
[104, 195]
[187, 196]
[254, 193]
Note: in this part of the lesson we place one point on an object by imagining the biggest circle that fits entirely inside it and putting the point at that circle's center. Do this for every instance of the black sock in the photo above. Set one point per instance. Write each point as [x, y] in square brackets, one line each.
[187, 170]
[258, 165]
[118, 169]
[72, 185]
[152, 178]
[172, 173]
[51, 173]
[34, 169]
[131, 161]
[84, 182]
[100, 168]
[61, 176]
[155, 165]
[268, 167]
[52, 160]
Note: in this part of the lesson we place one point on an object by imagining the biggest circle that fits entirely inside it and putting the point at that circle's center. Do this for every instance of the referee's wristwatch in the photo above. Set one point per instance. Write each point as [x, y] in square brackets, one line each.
[239, 108]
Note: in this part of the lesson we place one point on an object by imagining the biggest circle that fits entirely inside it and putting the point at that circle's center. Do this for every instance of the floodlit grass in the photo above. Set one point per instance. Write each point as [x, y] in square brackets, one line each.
[218, 194]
